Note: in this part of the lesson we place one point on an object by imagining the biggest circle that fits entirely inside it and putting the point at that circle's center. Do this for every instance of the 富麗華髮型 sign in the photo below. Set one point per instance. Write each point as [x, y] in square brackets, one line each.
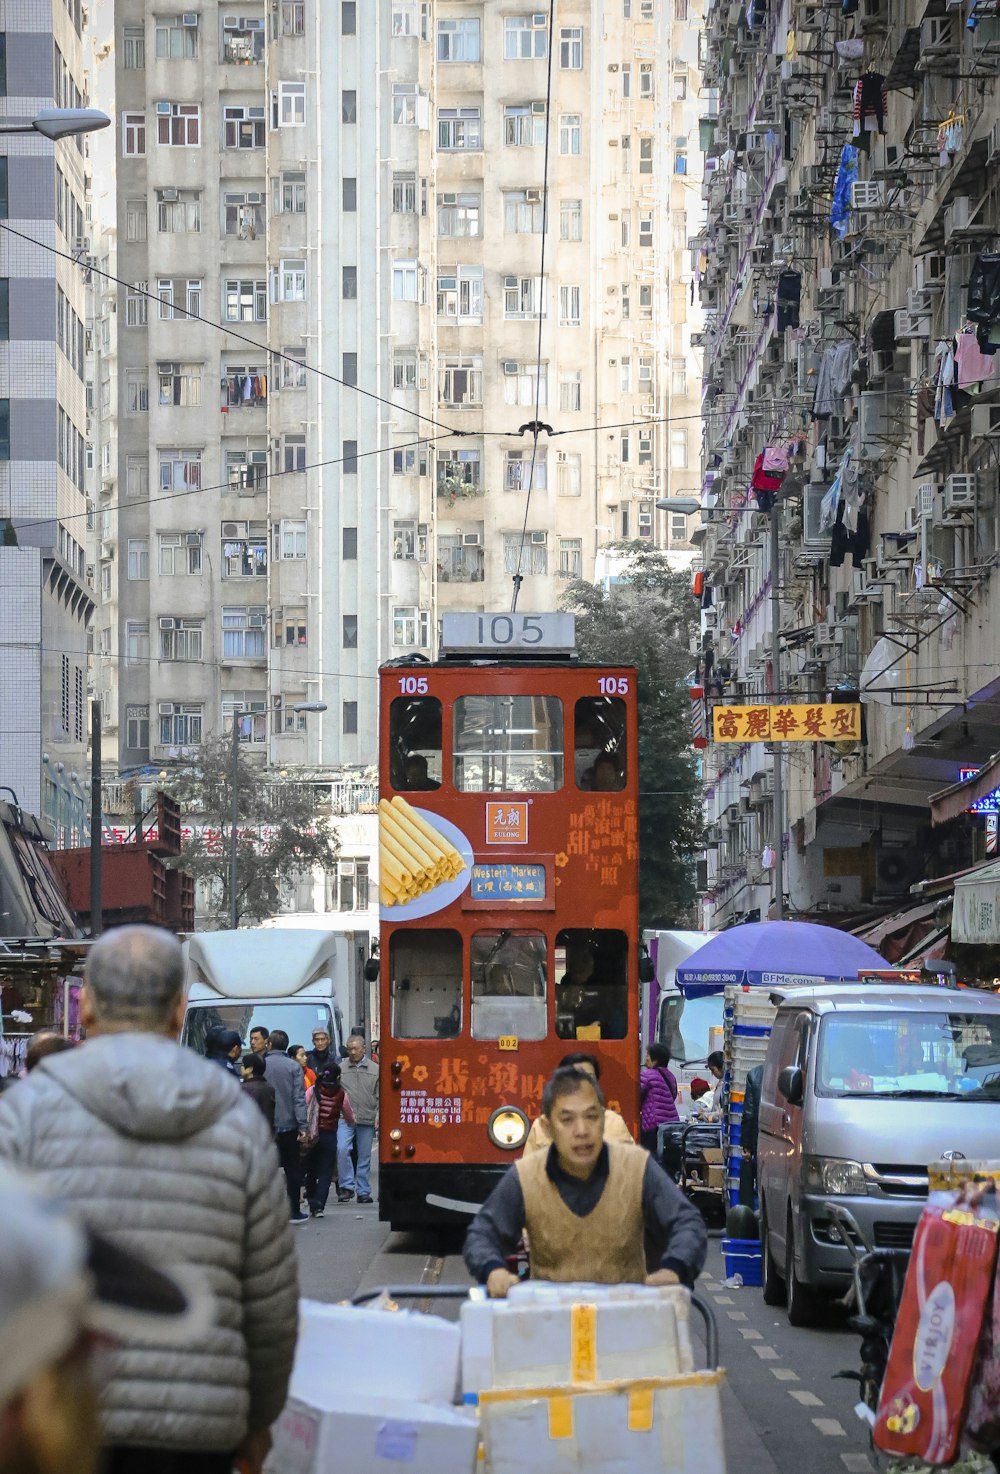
[827, 722]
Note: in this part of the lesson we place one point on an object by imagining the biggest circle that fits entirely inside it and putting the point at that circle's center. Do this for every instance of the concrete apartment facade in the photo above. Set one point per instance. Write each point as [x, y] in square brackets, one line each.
[46, 598]
[852, 214]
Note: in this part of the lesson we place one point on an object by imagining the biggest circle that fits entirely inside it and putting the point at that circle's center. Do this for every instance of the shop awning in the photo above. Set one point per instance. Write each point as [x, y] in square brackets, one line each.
[949, 803]
[975, 915]
[897, 922]
[932, 948]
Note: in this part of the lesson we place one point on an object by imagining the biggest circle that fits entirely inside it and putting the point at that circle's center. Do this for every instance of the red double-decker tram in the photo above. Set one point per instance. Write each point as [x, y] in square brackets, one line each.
[509, 900]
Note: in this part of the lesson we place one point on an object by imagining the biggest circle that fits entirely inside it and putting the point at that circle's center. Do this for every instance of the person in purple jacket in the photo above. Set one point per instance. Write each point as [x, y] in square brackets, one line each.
[658, 1094]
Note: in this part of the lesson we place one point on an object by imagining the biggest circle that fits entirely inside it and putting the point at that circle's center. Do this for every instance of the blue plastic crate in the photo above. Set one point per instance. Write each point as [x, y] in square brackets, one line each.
[743, 1257]
[751, 1031]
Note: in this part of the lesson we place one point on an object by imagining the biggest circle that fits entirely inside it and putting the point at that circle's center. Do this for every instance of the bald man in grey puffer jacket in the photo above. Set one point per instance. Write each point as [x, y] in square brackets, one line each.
[161, 1150]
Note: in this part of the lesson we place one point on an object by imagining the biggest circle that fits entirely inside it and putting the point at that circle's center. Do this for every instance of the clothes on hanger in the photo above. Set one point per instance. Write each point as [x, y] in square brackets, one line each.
[243, 389]
[925, 412]
[847, 173]
[951, 134]
[972, 364]
[789, 293]
[944, 382]
[833, 379]
[983, 302]
[840, 537]
[871, 104]
[861, 537]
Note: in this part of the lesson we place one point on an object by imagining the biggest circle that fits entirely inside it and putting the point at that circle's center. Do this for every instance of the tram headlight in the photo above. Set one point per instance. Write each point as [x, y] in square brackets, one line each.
[508, 1127]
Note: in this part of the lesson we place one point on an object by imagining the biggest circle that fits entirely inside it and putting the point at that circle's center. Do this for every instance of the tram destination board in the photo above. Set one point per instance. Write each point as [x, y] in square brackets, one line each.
[513, 634]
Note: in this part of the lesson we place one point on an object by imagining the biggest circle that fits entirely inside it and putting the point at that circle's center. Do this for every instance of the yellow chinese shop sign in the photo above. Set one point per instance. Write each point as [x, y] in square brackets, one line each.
[831, 722]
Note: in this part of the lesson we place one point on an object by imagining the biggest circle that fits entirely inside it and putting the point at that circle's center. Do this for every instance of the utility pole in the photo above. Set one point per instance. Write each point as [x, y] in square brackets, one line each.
[778, 806]
[96, 891]
[234, 912]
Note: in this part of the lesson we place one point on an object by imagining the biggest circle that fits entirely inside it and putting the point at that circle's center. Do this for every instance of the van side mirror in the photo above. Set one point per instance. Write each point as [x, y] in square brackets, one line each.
[790, 1084]
[371, 970]
[647, 968]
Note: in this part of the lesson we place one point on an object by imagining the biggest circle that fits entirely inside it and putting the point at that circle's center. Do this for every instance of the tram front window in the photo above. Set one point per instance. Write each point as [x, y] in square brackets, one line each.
[415, 744]
[508, 744]
[592, 992]
[508, 985]
[426, 971]
[599, 744]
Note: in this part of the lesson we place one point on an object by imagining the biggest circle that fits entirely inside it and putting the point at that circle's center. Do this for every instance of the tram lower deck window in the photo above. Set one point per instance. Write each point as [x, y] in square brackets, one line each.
[426, 983]
[592, 991]
[508, 744]
[599, 746]
[508, 985]
[415, 743]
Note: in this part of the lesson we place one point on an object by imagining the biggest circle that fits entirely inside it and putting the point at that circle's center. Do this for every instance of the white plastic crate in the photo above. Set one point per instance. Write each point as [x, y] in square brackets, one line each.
[754, 1009]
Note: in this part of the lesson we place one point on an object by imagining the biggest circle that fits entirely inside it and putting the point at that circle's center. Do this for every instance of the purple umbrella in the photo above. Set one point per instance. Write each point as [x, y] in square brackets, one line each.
[777, 953]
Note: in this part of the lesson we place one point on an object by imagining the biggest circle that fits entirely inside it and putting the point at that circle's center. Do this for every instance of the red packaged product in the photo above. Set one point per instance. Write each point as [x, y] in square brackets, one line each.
[945, 1297]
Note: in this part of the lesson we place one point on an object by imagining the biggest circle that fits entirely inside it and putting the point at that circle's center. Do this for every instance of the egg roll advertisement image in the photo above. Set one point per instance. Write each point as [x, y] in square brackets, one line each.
[425, 862]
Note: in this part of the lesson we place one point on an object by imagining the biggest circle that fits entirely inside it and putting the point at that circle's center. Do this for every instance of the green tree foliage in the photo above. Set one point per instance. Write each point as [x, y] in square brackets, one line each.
[647, 621]
[281, 832]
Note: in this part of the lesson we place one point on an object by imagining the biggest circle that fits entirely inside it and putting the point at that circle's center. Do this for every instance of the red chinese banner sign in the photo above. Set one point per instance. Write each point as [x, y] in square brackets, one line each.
[831, 722]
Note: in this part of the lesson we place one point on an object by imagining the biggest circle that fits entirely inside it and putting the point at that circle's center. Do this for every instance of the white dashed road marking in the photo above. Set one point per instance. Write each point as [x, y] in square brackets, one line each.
[749, 1335]
[807, 1399]
[829, 1427]
[766, 1353]
[857, 1463]
[784, 1374]
[736, 1314]
[723, 1299]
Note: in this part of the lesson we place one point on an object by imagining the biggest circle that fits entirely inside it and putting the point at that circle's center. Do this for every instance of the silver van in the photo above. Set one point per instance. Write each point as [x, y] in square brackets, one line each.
[863, 1087]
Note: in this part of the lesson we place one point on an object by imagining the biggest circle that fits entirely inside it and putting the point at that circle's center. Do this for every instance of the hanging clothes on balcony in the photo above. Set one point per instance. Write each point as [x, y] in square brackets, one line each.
[861, 537]
[944, 382]
[788, 295]
[951, 135]
[833, 379]
[243, 389]
[973, 365]
[983, 306]
[871, 104]
[847, 173]
[925, 412]
[840, 537]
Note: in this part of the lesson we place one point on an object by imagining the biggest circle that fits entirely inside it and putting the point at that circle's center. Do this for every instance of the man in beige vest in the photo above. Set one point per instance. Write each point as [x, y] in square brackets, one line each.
[540, 1137]
[589, 1206]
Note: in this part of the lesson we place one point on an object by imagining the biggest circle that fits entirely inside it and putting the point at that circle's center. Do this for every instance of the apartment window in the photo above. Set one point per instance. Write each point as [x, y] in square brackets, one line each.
[244, 549]
[348, 106]
[137, 642]
[348, 457]
[525, 384]
[243, 214]
[409, 371]
[646, 299]
[532, 557]
[290, 627]
[180, 723]
[678, 376]
[290, 192]
[410, 627]
[523, 211]
[647, 87]
[174, 40]
[133, 48]
[625, 450]
[136, 476]
[626, 230]
[459, 216]
[409, 461]
[246, 471]
[570, 391]
[680, 86]
[458, 40]
[679, 448]
[645, 447]
[678, 527]
[407, 282]
[291, 454]
[568, 474]
[180, 553]
[404, 18]
[625, 373]
[136, 306]
[571, 48]
[680, 9]
[569, 306]
[404, 103]
[291, 368]
[179, 298]
[348, 18]
[350, 283]
[404, 193]
[181, 639]
[242, 39]
[525, 37]
[460, 381]
[178, 211]
[289, 105]
[524, 124]
[243, 127]
[4, 200]
[244, 300]
[523, 296]
[133, 134]
[179, 470]
[178, 124]
[136, 392]
[680, 156]
[349, 368]
[348, 195]
[137, 566]
[288, 281]
[243, 633]
[459, 129]
[626, 80]
[290, 538]
[460, 295]
[137, 726]
[350, 719]
[645, 227]
[570, 133]
[348, 888]
[570, 557]
[645, 374]
[571, 220]
[645, 155]
[293, 17]
[626, 154]
[349, 631]
[135, 220]
[518, 472]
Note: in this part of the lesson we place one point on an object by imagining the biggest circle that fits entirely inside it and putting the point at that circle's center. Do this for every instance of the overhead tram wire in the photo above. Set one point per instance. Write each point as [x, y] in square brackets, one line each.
[537, 426]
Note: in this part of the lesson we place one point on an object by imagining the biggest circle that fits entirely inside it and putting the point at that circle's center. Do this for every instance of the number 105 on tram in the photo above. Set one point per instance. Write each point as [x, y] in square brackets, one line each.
[508, 852]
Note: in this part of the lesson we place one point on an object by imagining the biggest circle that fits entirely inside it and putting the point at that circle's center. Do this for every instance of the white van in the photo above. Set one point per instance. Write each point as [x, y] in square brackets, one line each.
[691, 1028]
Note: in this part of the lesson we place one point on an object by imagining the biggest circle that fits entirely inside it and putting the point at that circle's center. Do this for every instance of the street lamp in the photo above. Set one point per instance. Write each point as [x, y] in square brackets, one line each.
[234, 818]
[686, 504]
[58, 122]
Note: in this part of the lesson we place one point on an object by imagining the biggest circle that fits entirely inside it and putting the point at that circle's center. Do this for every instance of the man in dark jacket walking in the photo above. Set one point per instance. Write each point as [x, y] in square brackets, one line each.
[290, 1117]
[322, 1053]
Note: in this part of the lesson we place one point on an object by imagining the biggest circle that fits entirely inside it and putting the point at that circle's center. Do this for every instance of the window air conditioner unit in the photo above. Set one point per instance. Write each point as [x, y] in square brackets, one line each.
[538, 538]
[824, 634]
[165, 708]
[986, 421]
[166, 624]
[993, 151]
[957, 216]
[909, 325]
[255, 198]
[960, 492]
[192, 539]
[539, 22]
[169, 195]
[533, 196]
[867, 194]
[928, 272]
[538, 109]
[926, 498]
[510, 367]
[510, 281]
[232, 529]
[919, 302]
[257, 621]
[163, 108]
[190, 18]
[938, 36]
[471, 539]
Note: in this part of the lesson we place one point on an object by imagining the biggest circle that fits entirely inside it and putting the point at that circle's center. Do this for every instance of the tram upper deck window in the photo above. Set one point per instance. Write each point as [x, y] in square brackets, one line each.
[426, 972]
[415, 744]
[592, 991]
[508, 985]
[508, 744]
[599, 745]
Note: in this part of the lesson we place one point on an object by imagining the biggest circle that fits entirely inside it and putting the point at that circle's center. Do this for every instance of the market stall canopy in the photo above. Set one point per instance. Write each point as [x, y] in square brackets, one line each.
[975, 915]
[949, 803]
[775, 953]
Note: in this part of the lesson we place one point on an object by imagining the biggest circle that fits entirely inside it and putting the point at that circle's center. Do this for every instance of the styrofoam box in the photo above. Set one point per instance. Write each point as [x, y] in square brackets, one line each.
[639, 1428]
[408, 1356]
[373, 1435]
[527, 1340]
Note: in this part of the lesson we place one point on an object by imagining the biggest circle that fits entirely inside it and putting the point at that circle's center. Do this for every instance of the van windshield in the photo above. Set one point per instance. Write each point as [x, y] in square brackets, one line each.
[686, 1024]
[297, 1019]
[949, 1055]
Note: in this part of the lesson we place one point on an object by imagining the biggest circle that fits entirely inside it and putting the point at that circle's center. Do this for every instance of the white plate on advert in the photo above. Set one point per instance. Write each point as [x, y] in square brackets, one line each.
[442, 895]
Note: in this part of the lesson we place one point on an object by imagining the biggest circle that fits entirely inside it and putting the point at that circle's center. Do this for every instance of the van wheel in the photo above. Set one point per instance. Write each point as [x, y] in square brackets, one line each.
[801, 1302]
[772, 1285]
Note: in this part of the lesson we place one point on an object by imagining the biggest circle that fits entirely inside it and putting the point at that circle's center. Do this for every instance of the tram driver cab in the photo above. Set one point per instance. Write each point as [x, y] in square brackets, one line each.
[592, 993]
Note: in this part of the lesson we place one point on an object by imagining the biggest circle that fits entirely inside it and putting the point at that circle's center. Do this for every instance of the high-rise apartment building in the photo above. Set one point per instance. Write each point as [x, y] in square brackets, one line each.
[353, 199]
[45, 596]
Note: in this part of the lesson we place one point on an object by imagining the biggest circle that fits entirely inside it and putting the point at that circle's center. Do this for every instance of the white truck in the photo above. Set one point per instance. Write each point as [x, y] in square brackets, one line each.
[691, 1028]
[296, 979]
